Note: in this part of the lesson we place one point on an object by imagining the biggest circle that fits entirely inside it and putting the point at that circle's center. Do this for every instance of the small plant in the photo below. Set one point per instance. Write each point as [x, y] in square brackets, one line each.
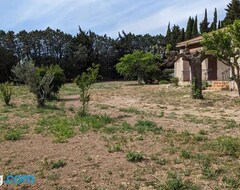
[130, 110]
[174, 181]
[87, 179]
[205, 85]
[163, 82]
[6, 90]
[186, 154]
[144, 126]
[226, 145]
[84, 82]
[175, 81]
[162, 161]
[134, 156]
[13, 135]
[231, 123]
[114, 148]
[58, 164]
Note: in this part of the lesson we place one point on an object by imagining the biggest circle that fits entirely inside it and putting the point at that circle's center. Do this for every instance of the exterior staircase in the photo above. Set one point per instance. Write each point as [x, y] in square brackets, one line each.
[219, 85]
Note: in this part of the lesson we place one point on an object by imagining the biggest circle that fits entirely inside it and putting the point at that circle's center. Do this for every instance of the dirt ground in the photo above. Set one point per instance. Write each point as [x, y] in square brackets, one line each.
[177, 142]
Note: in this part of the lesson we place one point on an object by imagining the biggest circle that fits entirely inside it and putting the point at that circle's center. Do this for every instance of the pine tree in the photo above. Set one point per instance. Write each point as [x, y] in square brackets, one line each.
[204, 24]
[195, 27]
[214, 23]
[233, 12]
[189, 29]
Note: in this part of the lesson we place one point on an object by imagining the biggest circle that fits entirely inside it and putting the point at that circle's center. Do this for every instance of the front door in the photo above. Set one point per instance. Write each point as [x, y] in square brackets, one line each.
[212, 68]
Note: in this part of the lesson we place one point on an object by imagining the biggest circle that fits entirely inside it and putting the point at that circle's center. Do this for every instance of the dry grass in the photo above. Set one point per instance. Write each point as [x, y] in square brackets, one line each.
[137, 137]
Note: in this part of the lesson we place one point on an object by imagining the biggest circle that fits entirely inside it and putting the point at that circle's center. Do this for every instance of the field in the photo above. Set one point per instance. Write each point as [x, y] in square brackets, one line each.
[135, 137]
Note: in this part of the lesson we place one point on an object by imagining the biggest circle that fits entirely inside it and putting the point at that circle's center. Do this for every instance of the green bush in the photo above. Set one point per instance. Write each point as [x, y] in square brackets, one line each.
[40, 86]
[84, 82]
[58, 80]
[175, 81]
[134, 156]
[6, 90]
[13, 135]
[163, 82]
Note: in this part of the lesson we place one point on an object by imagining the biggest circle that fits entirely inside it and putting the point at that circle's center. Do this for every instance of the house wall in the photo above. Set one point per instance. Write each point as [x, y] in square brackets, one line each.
[204, 69]
[220, 69]
[182, 70]
[181, 66]
[178, 68]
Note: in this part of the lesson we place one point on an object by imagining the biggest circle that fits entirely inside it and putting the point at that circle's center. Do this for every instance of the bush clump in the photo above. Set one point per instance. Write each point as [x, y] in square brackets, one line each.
[58, 80]
[39, 85]
[6, 90]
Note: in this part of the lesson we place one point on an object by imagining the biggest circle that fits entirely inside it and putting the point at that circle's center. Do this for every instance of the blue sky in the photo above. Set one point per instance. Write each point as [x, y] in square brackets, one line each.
[104, 16]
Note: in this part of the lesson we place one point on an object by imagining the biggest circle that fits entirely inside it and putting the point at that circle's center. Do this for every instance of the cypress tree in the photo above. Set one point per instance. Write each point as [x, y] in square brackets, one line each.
[204, 24]
[195, 27]
[214, 23]
[189, 29]
[182, 35]
[219, 24]
[233, 12]
[176, 33]
[168, 34]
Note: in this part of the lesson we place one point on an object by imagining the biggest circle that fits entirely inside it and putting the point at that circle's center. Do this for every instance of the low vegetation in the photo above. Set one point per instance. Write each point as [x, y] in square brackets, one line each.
[161, 140]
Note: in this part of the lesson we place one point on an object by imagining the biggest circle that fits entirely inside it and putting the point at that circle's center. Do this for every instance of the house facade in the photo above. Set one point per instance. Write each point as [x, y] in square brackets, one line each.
[213, 70]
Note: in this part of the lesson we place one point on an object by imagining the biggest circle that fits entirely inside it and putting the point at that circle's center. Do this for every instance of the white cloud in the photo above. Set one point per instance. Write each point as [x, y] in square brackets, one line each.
[177, 13]
[105, 16]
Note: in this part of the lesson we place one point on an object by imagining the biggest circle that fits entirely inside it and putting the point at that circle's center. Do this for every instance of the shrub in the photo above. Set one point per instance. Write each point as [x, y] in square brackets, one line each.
[134, 156]
[84, 82]
[176, 182]
[175, 81]
[6, 91]
[58, 164]
[163, 82]
[13, 135]
[58, 80]
[41, 86]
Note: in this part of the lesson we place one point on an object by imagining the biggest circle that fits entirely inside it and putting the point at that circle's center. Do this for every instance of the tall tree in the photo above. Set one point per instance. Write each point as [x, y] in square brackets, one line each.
[204, 28]
[233, 12]
[215, 21]
[189, 29]
[219, 24]
[195, 27]
[168, 34]
[182, 35]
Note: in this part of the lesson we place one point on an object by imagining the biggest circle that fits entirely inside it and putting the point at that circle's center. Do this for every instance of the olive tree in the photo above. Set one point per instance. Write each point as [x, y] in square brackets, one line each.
[40, 86]
[84, 82]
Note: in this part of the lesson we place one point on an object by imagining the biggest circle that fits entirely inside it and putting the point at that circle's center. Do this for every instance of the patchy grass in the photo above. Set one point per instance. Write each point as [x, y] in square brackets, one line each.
[131, 139]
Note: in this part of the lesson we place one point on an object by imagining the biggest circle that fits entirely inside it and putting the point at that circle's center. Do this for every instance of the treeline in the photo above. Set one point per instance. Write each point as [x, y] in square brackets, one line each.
[73, 53]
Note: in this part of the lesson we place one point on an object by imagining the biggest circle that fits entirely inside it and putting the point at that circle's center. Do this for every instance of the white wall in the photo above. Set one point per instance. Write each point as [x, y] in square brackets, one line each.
[220, 69]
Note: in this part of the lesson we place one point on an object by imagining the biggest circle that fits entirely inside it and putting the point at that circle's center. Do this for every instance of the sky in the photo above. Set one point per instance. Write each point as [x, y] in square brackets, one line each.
[104, 16]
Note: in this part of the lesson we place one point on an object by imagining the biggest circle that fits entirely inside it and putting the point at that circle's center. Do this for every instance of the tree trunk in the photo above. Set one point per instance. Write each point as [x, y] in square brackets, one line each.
[140, 79]
[238, 86]
[41, 101]
[196, 78]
